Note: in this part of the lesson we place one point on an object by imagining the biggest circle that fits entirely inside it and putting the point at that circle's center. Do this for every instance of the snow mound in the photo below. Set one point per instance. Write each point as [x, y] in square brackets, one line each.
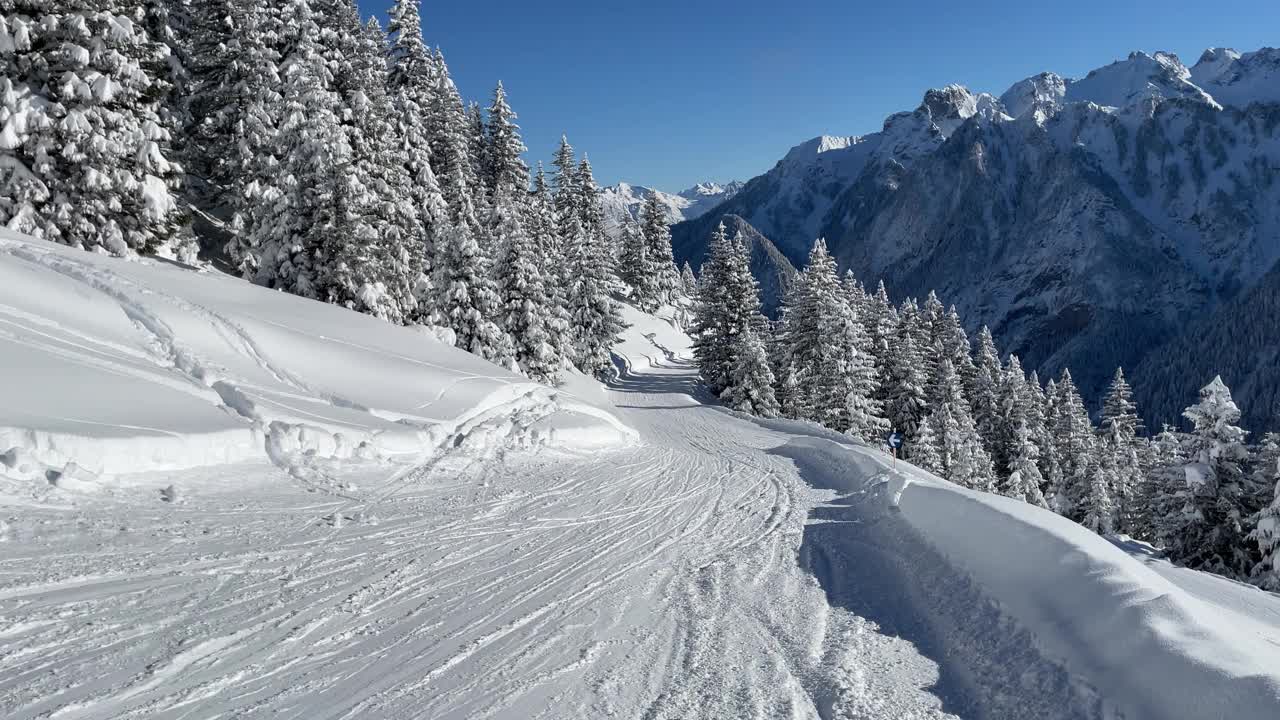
[1133, 642]
[116, 366]
[651, 341]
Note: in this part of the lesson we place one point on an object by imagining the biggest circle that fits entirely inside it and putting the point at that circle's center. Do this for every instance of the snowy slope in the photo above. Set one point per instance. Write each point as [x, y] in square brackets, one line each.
[1135, 643]
[721, 567]
[119, 367]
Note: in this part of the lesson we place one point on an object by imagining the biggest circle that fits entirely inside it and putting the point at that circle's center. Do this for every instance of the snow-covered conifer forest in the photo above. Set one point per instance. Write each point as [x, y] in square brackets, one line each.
[321, 398]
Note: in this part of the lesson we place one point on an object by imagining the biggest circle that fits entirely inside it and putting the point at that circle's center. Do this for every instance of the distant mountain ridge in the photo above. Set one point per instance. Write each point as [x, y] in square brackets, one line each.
[1085, 220]
[624, 200]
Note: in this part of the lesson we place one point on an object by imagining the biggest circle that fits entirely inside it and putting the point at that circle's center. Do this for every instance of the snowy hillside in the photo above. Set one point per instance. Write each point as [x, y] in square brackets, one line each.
[722, 566]
[1044, 213]
[119, 367]
[624, 200]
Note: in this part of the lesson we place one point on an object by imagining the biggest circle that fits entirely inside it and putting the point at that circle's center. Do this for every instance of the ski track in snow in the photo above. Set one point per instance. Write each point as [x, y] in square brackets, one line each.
[696, 575]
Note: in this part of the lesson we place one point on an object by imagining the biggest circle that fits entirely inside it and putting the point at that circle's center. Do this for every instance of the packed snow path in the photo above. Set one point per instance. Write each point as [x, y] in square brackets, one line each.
[697, 575]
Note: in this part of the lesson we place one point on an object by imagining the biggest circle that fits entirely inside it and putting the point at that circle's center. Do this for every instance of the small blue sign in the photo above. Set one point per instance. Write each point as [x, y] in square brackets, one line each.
[895, 440]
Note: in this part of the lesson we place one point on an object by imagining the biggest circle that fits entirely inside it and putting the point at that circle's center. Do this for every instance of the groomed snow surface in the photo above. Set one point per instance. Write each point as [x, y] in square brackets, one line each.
[223, 502]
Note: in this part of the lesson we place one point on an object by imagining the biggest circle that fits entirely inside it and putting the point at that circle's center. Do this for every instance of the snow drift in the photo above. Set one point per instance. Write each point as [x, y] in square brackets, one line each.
[1124, 638]
[115, 366]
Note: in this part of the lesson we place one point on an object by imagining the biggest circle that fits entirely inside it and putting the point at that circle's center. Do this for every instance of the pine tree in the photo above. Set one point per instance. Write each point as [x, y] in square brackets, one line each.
[1074, 448]
[633, 263]
[751, 382]
[964, 460]
[541, 226]
[449, 135]
[984, 388]
[728, 305]
[926, 448]
[591, 209]
[688, 283]
[373, 261]
[1207, 533]
[411, 85]
[1011, 416]
[505, 171]
[1163, 490]
[905, 400]
[85, 156]
[1024, 479]
[656, 277]
[526, 303]
[301, 202]
[1120, 428]
[831, 352]
[1266, 524]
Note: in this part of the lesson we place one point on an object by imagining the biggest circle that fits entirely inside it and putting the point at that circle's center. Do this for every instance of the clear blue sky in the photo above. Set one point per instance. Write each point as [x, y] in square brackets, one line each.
[667, 94]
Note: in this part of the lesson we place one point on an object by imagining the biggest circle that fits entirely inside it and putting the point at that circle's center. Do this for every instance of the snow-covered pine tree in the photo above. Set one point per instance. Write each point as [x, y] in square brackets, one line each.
[564, 181]
[728, 304]
[1075, 448]
[300, 201]
[750, 387]
[808, 311]
[1163, 489]
[688, 283]
[657, 237]
[373, 261]
[541, 226]
[1096, 505]
[505, 172]
[964, 459]
[1120, 428]
[594, 316]
[1266, 524]
[1012, 416]
[905, 401]
[926, 447]
[932, 334]
[525, 300]
[449, 136]
[658, 281]
[84, 155]
[1208, 532]
[479, 138]
[467, 299]
[591, 209]
[1024, 479]
[831, 352]
[855, 378]
[1037, 423]
[633, 262]
[411, 84]
[526, 305]
[984, 388]
[712, 339]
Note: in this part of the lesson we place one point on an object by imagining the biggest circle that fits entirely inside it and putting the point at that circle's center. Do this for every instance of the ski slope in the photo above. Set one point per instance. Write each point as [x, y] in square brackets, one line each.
[643, 555]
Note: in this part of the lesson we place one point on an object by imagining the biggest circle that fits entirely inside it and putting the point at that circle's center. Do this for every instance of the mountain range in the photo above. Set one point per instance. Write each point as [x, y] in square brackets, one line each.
[625, 200]
[1087, 221]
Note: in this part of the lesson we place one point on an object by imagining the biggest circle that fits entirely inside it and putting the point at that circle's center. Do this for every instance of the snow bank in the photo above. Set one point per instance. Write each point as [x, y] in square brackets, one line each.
[652, 340]
[125, 366]
[1145, 646]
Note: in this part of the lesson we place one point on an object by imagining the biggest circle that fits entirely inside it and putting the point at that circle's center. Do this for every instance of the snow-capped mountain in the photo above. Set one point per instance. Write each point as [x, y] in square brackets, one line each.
[1085, 220]
[624, 199]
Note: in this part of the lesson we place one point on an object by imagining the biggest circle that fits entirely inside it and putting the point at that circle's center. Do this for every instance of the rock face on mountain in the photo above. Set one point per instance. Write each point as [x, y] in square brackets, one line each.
[1086, 221]
[625, 200]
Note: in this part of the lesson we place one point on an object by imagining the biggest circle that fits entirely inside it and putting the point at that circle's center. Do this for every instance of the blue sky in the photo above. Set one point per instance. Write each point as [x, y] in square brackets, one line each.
[667, 93]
